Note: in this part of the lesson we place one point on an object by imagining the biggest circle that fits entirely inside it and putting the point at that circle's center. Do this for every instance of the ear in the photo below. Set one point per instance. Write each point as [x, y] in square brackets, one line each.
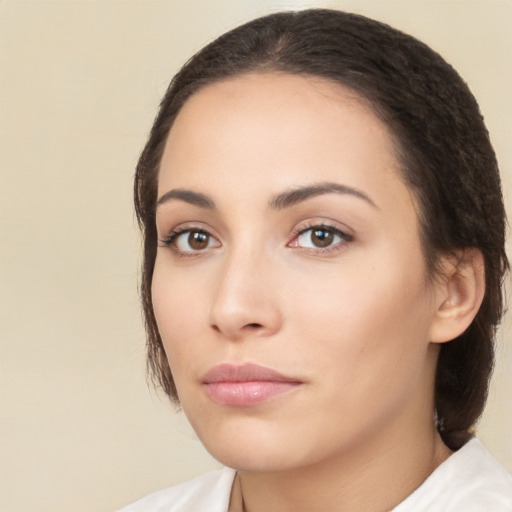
[459, 293]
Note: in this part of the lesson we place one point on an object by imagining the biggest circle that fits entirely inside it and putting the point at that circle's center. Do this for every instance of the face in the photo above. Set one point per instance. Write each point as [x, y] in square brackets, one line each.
[289, 285]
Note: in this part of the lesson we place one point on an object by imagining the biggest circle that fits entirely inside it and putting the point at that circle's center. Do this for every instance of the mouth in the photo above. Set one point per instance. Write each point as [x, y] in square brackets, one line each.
[246, 385]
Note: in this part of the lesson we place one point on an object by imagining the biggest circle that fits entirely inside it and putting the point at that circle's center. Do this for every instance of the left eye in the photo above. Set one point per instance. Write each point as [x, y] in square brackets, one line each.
[319, 237]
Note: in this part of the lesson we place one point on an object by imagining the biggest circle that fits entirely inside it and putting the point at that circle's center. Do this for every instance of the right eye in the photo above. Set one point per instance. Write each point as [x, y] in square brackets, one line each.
[190, 241]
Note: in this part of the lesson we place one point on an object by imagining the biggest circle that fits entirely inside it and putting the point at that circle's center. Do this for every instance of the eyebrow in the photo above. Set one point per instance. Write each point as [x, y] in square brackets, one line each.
[278, 202]
[292, 197]
[194, 198]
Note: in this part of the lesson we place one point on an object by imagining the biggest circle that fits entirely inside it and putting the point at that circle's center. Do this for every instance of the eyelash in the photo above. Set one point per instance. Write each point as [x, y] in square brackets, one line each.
[172, 238]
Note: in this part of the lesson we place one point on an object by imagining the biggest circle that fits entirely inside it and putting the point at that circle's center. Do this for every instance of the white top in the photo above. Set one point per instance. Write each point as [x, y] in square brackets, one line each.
[470, 480]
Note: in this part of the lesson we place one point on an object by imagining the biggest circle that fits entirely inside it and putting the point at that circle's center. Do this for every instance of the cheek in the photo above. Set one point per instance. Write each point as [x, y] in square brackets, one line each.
[177, 305]
[365, 346]
[365, 315]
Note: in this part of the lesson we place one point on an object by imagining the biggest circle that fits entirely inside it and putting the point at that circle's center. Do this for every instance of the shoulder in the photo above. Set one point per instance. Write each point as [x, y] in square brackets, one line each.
[209, 493]
[471, 480]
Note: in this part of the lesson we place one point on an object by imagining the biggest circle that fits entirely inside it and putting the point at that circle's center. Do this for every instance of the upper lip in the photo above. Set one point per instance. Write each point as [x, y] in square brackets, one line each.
[244, 373]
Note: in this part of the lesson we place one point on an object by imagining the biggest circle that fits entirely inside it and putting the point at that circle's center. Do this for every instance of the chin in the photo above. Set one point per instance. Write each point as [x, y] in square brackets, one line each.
[256, 446]
[249, 444]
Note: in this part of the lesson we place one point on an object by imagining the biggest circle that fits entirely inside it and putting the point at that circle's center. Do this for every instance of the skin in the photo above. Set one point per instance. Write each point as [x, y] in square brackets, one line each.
[354, 322]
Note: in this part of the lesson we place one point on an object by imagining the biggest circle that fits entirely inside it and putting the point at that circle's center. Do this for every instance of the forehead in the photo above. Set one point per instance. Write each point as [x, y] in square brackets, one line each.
[279, 105]
[277, 130]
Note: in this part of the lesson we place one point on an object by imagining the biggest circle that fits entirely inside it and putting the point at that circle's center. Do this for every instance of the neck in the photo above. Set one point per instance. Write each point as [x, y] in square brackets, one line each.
[375, 476]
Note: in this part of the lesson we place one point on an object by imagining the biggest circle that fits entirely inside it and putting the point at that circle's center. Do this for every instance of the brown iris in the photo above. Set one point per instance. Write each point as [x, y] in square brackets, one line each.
[198, 240]
[321, 237]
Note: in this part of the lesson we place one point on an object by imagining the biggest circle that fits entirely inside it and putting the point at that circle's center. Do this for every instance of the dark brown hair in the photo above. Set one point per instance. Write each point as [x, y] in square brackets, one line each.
[443, 146]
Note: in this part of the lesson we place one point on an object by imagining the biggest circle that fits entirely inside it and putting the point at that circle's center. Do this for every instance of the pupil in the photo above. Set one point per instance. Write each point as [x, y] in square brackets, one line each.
[322, 238]
[198, 240]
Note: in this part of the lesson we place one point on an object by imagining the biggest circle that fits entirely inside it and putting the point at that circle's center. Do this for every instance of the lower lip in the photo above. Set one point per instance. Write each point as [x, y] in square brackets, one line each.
[247, 394]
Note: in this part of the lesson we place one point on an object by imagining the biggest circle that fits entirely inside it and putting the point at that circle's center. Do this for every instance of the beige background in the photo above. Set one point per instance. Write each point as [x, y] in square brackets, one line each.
[80, 83]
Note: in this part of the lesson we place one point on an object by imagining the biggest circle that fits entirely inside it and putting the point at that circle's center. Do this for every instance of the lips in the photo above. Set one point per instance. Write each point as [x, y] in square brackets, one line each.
[246, 385]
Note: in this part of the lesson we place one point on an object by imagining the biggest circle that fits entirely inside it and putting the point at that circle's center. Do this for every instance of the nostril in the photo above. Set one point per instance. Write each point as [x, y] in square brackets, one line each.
[253, 326]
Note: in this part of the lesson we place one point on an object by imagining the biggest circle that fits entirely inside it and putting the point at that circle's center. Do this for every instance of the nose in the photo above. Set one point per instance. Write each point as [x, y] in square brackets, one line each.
[246, 298]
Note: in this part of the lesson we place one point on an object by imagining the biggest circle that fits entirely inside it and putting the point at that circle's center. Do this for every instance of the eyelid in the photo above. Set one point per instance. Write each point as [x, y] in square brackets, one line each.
[323, 223]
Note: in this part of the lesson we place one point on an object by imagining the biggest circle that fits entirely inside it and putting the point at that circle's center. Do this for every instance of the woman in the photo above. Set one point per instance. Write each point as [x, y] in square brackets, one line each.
[323, 259]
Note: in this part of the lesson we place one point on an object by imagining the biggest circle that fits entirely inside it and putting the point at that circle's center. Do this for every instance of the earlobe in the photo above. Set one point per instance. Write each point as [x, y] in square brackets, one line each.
[459, 294]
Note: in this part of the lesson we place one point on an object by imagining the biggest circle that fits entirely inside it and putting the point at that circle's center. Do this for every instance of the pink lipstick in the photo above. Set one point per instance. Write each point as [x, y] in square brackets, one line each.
[246, 385]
